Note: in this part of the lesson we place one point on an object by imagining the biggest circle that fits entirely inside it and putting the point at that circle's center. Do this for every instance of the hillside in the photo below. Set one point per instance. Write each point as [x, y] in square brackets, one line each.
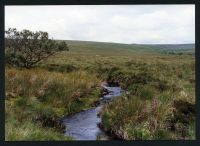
[172, 46]
[107, 48]
[100, 48]
[175, 48]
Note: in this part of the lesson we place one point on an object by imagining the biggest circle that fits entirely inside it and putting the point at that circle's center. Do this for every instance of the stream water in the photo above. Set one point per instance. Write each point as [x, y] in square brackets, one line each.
[83, 125]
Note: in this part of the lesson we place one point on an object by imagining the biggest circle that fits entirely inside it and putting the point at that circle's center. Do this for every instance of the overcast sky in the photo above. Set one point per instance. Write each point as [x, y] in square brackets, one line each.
[111, 23]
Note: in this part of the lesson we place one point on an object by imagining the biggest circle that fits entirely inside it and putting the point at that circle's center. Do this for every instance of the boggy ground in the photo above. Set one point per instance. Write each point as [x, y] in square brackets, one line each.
[158, 103]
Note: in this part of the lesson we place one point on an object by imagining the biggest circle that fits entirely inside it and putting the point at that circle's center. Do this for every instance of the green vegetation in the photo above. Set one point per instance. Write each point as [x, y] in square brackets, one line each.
[26, 48]
[158, 103]
[29, 131]
[37, 98]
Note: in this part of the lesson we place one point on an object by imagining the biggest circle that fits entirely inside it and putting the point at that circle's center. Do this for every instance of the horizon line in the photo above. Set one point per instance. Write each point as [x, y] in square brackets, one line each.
[129, 43]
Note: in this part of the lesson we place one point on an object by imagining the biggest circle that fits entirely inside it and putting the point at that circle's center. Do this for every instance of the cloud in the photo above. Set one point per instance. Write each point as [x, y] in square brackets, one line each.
[111, 23]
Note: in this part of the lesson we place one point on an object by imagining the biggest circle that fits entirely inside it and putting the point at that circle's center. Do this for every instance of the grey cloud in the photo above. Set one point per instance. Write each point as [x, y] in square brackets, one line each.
[123, 24]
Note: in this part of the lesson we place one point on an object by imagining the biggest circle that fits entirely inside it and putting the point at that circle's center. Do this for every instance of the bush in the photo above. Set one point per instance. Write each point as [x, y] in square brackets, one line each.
[26, 48]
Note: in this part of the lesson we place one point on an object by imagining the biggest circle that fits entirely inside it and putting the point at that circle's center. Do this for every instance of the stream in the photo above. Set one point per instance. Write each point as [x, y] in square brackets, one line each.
[83, 125]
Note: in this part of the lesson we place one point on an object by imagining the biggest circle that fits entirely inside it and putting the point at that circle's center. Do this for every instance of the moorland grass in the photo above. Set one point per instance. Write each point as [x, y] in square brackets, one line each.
[29, 131]
[153, 83]
[158, 102]
[39, 97]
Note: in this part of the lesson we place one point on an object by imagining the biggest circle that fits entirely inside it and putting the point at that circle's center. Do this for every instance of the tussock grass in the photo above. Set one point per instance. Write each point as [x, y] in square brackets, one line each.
[135, 118]
[164, 79]
[159, 103]
[43, 97]
[30, 131]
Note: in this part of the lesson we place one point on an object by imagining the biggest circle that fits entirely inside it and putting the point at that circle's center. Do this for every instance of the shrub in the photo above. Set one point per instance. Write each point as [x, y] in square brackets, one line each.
[26, 48]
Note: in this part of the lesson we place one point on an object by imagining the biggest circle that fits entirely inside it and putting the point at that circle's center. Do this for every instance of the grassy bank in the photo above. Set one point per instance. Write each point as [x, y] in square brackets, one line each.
[159, 102]
[28, 131]
[37, 99]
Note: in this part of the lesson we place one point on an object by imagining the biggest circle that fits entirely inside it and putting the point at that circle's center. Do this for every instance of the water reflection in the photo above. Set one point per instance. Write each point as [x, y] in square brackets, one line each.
[83, 125]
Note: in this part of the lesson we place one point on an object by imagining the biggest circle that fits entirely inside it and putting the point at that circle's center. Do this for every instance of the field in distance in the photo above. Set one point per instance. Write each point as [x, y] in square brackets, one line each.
[108, 48]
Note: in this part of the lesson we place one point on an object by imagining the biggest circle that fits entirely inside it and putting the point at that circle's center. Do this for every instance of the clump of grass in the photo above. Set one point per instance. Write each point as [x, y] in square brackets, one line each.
[191, 131]
[139, 119]
[30, 131]
[64, 68]
[146, 92]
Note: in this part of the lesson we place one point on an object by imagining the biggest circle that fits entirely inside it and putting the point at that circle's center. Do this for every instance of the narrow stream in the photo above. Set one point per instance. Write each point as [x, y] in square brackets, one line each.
[83, 125]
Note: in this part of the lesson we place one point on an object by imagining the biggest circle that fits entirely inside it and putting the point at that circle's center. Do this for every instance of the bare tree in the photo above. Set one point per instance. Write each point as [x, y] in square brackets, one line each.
[26, 48]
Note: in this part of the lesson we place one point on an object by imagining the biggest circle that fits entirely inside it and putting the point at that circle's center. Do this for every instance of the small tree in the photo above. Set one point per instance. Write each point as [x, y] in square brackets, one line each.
[26, 48]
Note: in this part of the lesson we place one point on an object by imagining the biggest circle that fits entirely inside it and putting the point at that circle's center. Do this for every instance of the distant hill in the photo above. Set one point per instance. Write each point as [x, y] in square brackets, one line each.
[107, 48]
[172, 48]
[91, 47]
